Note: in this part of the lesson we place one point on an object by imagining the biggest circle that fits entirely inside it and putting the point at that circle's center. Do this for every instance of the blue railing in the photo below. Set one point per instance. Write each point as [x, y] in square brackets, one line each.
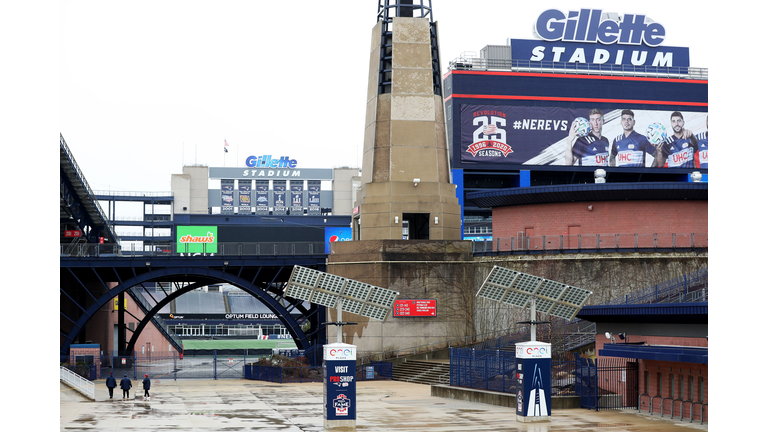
[690, 288]
[497, 371]
[221, 249]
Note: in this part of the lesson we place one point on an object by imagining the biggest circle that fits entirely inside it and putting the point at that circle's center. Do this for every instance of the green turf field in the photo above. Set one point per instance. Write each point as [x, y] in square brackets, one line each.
[190, 344]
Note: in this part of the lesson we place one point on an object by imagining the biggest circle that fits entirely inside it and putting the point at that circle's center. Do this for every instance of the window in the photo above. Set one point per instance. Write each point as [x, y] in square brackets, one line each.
[658, 383]
[690, 386]
[681, 391]
[672, 385]
[647, 380]
[701, 389]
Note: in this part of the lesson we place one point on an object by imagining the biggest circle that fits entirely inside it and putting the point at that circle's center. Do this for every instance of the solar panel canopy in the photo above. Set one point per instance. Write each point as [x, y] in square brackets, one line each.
[518, 289]
[326, 289]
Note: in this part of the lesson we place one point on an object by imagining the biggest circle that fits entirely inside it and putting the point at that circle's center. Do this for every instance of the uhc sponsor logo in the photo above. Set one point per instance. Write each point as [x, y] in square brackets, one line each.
[586, 25]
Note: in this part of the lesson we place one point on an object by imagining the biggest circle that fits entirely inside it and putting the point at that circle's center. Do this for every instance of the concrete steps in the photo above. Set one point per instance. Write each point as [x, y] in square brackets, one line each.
[422, 372]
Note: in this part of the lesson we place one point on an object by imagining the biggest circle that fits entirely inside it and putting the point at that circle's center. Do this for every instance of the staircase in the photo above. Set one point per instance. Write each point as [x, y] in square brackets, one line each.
[422, 372]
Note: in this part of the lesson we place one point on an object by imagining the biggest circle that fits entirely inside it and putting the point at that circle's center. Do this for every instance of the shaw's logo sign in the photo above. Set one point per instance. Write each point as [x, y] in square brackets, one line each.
[209, 238]
[197, 239]
[587, 25]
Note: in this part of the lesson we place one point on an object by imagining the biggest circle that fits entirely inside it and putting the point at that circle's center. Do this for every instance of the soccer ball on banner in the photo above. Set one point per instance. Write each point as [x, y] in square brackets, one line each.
[656, 133]
[582, 127]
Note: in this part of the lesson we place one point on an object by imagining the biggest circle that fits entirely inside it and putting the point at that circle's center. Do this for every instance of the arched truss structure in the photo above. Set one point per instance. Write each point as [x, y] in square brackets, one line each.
[84, 291]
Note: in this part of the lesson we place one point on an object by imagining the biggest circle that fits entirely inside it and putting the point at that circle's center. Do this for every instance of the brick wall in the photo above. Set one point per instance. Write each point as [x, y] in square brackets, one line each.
[75, 352]
[693, 376]
[617, 217]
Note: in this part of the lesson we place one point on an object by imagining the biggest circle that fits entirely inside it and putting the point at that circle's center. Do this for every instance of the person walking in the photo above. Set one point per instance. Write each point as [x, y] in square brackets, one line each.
[126, 385]
[146, 383]
[111, 384]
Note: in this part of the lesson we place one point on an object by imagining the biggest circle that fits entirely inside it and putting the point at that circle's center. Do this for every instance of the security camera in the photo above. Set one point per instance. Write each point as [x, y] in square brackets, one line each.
[416, 181]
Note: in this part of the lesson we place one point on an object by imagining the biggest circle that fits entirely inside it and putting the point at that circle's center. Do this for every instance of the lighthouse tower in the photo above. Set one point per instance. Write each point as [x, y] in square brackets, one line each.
[406, 190]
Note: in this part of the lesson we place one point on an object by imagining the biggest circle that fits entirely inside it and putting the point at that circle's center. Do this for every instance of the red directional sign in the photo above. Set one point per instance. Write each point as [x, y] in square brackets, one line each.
[72, 233]
[406, 308]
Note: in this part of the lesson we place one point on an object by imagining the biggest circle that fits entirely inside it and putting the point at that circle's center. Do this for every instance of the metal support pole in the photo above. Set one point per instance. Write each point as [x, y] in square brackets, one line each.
[338, 319]
[533, 319]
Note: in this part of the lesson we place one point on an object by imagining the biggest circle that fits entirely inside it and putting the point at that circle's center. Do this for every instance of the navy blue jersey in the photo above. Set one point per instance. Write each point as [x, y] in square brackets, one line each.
[591, 150]
[632, 151]
[703, 149]
[680, 152]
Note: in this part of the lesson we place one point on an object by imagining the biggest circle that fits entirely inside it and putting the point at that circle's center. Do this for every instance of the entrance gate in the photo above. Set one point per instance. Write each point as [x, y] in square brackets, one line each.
[607, 383]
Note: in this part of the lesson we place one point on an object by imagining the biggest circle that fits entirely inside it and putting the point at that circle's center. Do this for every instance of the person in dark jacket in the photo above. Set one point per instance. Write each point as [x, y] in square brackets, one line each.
[146, 383]
[111, 384]
[126, 385]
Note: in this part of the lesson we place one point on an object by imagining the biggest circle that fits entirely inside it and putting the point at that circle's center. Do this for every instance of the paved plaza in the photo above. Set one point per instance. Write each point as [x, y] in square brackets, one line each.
[244, 405]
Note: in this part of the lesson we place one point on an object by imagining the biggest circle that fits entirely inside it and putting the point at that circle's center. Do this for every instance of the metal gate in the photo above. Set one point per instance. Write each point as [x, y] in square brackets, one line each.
[607, 383]
[216, 366]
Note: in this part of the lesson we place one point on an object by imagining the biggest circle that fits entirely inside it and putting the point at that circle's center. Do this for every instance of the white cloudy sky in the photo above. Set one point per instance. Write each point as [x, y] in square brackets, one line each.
[147, 86]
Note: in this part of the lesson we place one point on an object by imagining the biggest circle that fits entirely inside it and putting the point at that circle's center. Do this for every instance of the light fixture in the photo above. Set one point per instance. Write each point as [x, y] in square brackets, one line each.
[396, 219]
[600, 176]
[435, 220]
[416, 181]
[696, 176]
[226, 263]
[148, 264]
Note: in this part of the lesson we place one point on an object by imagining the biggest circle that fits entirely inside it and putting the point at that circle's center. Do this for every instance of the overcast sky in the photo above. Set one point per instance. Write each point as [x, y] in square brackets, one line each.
[148, 86]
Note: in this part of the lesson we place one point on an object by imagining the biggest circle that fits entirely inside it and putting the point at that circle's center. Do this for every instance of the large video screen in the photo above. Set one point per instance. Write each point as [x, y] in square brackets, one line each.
[554, 136]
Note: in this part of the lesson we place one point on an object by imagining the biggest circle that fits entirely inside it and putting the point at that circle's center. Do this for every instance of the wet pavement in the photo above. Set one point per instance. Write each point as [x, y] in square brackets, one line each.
[243, 405]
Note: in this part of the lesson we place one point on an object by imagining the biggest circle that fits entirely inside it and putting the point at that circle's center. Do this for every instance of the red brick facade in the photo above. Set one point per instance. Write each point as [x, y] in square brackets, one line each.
[674, 382]
[76, 351]
[605, 217]
[100, 329]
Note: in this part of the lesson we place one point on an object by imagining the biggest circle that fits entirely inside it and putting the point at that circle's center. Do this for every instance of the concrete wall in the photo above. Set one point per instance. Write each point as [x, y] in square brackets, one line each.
[418, 269]
[607, 275]
[198, 188]
[497, 398]
[447, 272]
[344, 190]
[180, 186]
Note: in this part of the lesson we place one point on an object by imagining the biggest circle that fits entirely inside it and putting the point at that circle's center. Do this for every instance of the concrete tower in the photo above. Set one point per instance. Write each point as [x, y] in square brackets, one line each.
[406, 189]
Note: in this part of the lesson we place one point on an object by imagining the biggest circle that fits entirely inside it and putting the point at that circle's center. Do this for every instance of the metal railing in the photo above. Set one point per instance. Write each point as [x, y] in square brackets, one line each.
[592, 243]
[222, 249]
[156, 319]
[134, 194]
[77, 382]
[484, 64]
[689, 288]
[86, 186]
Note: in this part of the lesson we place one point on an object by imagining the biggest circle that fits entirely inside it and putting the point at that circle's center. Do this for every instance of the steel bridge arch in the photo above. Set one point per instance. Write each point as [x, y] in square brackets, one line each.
[302, 340]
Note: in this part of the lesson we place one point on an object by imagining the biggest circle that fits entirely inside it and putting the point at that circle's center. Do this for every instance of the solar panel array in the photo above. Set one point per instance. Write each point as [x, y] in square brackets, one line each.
[517, 289]
[325, 289]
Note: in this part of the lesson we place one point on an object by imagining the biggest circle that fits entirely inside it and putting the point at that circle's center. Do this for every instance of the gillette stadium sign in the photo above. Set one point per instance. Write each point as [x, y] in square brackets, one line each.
[592, 37]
